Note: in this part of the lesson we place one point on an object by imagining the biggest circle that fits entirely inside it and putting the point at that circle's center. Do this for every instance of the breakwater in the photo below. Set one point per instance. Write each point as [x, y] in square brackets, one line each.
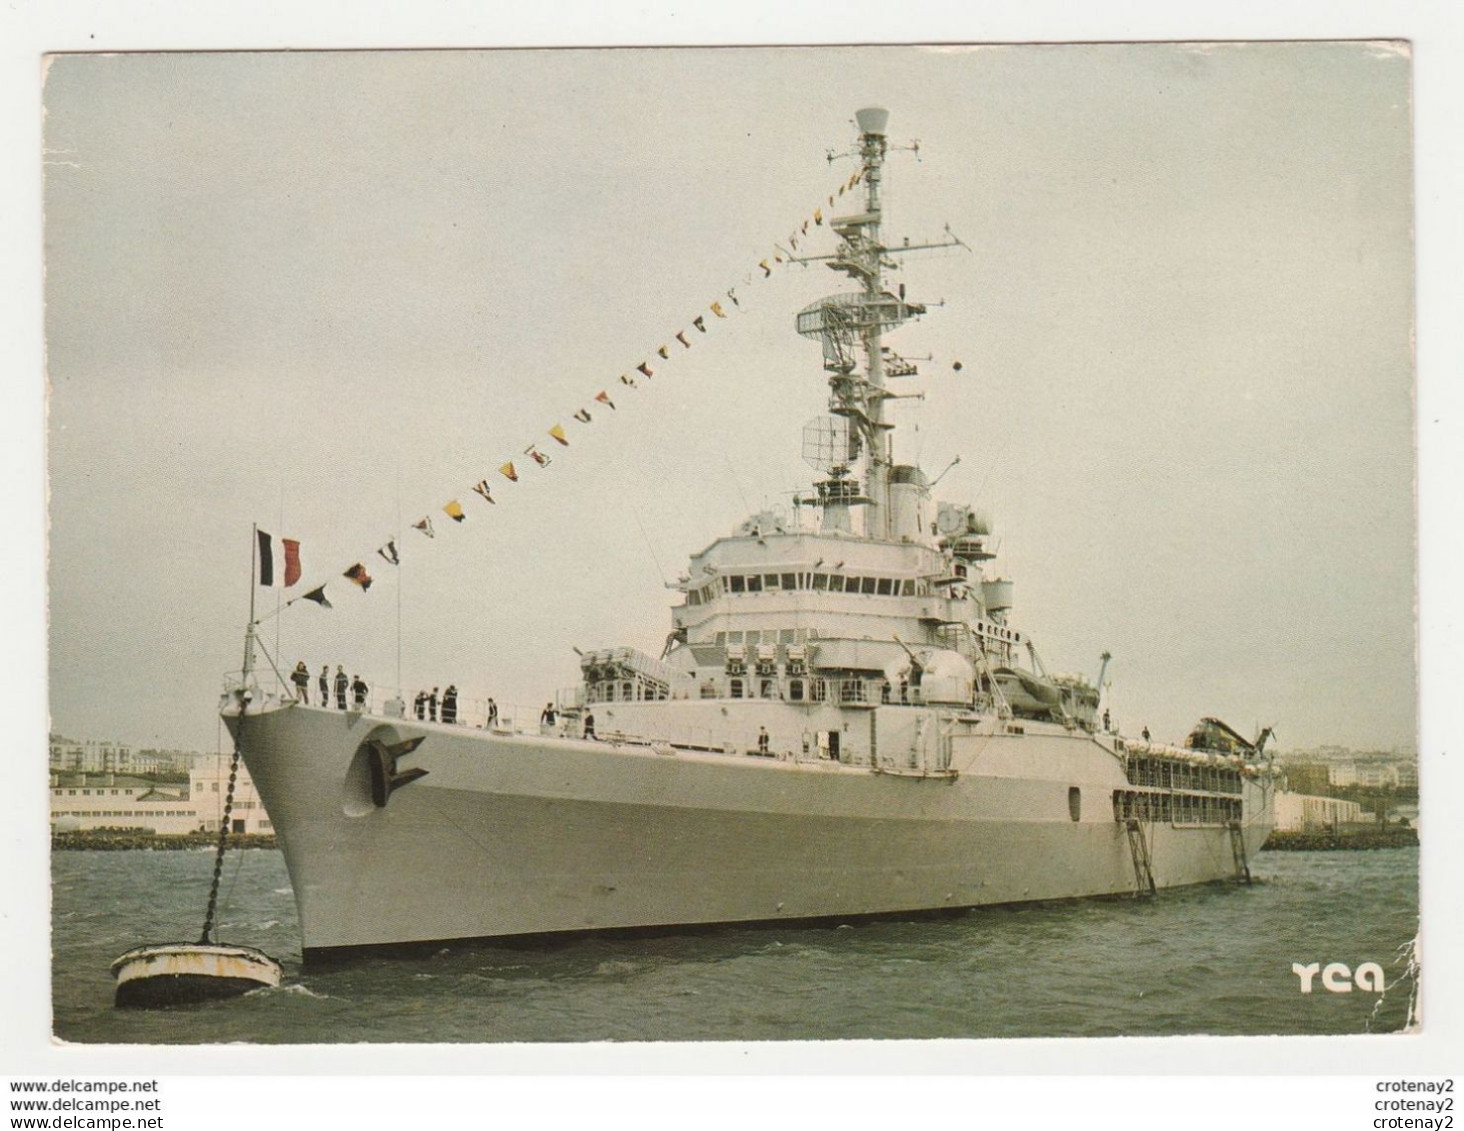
[117, 841]
[1323, 840]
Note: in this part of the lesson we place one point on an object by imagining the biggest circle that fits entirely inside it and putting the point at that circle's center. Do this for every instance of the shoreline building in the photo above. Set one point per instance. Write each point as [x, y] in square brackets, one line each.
[86, 801]
[91, 756]
[1298, 812]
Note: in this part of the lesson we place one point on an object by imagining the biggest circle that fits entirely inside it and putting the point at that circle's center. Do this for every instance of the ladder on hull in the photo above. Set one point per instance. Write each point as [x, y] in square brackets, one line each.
[1237, 850]
[1143, 866]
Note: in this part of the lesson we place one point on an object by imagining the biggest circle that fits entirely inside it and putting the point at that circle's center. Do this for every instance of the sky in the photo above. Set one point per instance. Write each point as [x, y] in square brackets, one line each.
[327, 293]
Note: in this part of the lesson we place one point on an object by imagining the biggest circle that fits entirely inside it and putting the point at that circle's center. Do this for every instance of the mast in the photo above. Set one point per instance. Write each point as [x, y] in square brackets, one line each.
[854, 322]
[872, 144]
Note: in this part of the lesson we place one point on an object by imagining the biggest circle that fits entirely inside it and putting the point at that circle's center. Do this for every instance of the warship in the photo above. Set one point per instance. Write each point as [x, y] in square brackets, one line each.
[844, 722]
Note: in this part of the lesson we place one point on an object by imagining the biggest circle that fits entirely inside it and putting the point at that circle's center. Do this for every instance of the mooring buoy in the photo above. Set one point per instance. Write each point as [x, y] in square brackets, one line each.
[178, 973]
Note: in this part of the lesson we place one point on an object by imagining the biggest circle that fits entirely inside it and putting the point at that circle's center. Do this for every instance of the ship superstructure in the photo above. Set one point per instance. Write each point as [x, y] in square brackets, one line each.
[844, 721]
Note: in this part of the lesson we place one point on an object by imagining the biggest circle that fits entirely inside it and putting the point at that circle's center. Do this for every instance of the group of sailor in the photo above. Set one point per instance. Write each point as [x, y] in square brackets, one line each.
[426, 705]
[437, 705]
[353, 686]
[1110, 728]
[550, 722]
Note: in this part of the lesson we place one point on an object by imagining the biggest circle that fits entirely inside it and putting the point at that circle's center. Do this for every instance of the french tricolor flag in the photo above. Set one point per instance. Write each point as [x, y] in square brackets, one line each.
[291, 550]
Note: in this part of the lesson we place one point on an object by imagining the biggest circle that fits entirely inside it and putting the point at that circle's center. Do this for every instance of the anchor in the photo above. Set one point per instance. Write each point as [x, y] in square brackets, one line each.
[386, 779]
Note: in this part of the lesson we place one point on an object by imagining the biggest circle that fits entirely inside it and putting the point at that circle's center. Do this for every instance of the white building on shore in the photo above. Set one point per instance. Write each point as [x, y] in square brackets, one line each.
[85, 801]
[90, 756]
[1297, 812]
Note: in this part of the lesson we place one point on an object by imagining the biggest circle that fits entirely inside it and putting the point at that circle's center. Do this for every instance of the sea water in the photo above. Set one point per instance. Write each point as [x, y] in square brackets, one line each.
[1214, 959]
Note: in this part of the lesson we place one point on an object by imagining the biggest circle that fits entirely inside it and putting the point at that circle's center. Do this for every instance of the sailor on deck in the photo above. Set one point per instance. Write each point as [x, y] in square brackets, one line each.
[300, 677]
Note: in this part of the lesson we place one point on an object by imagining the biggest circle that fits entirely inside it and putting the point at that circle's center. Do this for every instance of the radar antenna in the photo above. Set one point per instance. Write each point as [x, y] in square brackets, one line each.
[829, 443]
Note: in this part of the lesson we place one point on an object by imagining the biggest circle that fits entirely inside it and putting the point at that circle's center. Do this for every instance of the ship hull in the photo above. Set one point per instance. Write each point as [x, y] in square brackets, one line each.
[512, 834]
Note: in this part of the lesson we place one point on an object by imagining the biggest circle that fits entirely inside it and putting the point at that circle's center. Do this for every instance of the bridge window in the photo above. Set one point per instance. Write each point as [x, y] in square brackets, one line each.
[836, 583]
[790, 581]
[735, 582]
[795, 690]
[884, 587]
[820, 582]
[787, 635]
[734, 688]
[908, 587]
[867, 585]
[770, 581]
[754, 583]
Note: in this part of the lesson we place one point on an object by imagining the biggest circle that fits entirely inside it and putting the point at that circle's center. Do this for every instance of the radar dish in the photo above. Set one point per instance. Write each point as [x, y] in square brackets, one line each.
[829, 442]
[953, 518]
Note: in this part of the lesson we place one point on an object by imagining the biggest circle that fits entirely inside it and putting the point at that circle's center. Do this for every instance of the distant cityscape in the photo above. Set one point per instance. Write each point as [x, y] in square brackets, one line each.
[1328, 768]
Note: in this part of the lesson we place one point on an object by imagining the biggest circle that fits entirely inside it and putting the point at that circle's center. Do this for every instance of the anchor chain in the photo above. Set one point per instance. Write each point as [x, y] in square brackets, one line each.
[213, 891]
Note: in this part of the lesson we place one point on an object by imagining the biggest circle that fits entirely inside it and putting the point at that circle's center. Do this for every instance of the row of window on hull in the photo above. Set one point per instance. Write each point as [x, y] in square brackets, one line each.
[1176, 808]
[1175, 773]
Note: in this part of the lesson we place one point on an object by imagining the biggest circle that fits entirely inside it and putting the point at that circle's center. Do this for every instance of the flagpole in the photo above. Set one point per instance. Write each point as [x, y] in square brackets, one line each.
[249, 631]
[401, 694]
[280, 592]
